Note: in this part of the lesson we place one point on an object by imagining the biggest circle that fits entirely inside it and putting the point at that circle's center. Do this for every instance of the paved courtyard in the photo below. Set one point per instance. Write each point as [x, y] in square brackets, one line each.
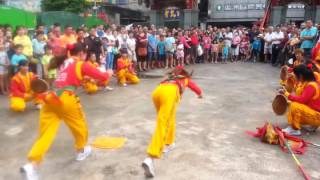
[211, 140]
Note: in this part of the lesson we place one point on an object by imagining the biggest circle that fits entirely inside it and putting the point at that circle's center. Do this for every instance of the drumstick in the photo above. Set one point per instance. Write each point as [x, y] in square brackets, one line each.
[304, 173]
[313, 144]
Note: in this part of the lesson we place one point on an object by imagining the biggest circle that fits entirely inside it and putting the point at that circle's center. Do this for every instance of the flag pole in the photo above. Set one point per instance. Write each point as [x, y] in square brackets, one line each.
[304, 173]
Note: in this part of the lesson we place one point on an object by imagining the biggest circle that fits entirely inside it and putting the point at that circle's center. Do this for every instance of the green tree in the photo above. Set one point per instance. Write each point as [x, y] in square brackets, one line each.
[75, 6]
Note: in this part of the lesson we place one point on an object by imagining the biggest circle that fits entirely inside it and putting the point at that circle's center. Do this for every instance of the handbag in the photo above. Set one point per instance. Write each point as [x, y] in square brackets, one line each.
[142, 52]
[199, 51]
[234, 46]
[115, 51]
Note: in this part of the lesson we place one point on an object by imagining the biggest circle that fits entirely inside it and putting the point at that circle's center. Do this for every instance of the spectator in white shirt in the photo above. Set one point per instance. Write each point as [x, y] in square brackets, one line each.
[277, 37]
[268, 44]
[228, 36]
[131, 42]
[122, 38]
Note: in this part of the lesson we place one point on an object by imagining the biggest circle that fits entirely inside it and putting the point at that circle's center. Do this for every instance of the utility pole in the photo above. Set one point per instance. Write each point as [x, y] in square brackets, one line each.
[95, 8]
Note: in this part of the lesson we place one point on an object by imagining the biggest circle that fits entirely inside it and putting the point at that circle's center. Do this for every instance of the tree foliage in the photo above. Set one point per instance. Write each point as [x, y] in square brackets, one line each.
[75, 6]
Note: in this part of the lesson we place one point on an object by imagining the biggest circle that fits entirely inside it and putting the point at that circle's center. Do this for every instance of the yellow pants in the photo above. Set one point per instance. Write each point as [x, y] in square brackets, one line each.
[90, 87]
[165, 99]
[125, 76]
[17, 104]
[300, 114]
[50, 117]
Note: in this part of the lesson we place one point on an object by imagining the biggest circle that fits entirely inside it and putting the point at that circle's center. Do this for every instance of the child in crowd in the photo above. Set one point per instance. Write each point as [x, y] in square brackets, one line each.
[221, 44]
[49, 75]
[244, 48]
[4, 64]
[161, 51]
[180, 54]
[206, 46]
[225, 52]
[109, 44]
[214, 51]
[104, 59]
[169, 46]
[38, 45]
[256, 48]
[17, 57]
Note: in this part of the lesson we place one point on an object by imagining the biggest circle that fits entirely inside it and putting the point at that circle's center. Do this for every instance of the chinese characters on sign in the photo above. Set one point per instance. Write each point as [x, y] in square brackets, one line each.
[250, 6]
[172, 13]
[240, 7]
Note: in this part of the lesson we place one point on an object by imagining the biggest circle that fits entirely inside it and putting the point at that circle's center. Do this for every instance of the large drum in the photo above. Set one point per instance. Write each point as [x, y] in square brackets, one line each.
[284, 73]
[290, 84]
[39, 86]
[280, 105]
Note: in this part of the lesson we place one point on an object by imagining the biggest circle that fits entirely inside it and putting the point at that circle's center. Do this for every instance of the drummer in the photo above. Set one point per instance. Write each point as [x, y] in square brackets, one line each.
[70, 74]
[125, 70]
[305, 105]
[90, 85]
[317, 67]
[299, 57]
[20, 91]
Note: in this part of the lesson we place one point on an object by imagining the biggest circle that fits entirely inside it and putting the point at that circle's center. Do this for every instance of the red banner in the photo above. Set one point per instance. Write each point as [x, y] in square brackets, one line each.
[190, 4]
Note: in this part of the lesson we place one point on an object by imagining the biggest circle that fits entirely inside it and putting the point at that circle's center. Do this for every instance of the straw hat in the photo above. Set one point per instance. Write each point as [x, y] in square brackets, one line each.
[279, 105]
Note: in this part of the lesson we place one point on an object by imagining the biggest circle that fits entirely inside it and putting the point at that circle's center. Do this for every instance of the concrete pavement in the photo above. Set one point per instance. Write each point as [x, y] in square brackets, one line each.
[211, 143]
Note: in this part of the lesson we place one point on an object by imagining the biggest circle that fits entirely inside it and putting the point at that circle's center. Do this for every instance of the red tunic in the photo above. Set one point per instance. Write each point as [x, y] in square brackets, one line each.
[183, 83]
[124, 64]
[310, 96]
[20, 85]
[72, 72]
[194, 40]
[315, 51]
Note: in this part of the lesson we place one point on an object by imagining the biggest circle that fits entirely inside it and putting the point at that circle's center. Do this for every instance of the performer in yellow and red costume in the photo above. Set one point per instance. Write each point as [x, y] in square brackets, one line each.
[70, 75]
[316, 61]
[166, 98]
[91, 85]
[304, 108]
[125, 70]
[20, 91]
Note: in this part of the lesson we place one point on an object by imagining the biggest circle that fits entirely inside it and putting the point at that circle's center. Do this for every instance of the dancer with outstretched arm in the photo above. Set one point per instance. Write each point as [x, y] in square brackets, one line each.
[70, 74]
[166, 98]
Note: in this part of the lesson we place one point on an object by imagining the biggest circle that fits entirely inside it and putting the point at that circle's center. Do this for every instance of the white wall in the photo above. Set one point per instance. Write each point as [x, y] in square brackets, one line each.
[133, 4]
[29, 5]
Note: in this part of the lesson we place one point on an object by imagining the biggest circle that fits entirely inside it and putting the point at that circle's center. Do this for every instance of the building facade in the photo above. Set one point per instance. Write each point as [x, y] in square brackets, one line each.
[29, 5]
[244, 11]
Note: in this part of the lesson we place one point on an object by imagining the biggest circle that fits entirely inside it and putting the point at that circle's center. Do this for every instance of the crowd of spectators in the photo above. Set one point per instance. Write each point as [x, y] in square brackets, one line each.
[150, 47]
